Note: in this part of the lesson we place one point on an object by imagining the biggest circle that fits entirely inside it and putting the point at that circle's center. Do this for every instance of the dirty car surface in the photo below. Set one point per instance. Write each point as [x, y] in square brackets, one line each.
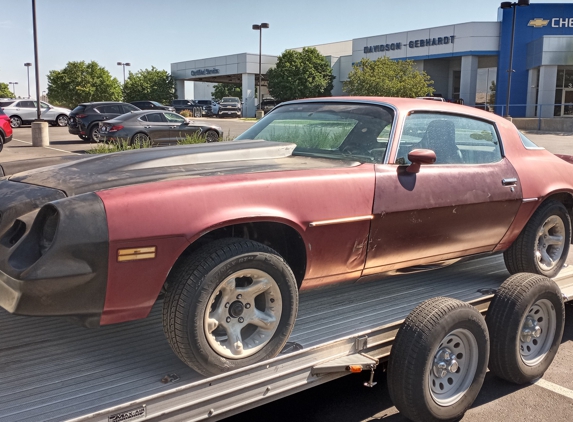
[338, 189]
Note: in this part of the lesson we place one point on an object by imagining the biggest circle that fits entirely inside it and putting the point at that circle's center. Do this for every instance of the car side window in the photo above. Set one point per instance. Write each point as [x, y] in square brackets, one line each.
[26, 104]
[143, 119]
[156, 118]
[455, 139]
[128, 107]
[174, 118]
[112, 109]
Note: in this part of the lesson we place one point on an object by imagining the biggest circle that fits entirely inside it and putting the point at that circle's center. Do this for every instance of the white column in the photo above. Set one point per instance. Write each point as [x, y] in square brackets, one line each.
[180, 88]
[248, 95]
[547, 82]
[468, 80]
[531, 91]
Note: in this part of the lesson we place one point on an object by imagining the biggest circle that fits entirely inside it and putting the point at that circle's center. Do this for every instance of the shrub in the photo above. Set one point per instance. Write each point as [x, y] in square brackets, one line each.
[186, 113]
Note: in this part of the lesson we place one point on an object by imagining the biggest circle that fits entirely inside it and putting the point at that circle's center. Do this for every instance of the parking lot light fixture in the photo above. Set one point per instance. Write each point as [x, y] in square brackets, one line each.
[123, 64]
[260, 28]
[509, 5]
[13, 87]
[28, 71]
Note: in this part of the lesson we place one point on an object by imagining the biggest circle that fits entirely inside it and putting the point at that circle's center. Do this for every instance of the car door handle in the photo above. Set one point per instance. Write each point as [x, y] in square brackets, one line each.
[509, 182]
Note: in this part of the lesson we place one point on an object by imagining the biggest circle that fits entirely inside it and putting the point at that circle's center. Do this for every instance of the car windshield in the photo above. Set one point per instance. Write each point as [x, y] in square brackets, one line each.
[156, 103]
[326, 129]
[230, 100]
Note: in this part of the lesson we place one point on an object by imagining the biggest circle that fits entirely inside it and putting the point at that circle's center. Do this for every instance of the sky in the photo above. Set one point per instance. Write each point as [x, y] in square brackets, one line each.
[157, 33]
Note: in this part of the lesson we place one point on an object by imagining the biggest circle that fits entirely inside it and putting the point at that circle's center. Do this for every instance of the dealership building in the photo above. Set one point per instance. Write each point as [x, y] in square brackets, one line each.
[468, 62]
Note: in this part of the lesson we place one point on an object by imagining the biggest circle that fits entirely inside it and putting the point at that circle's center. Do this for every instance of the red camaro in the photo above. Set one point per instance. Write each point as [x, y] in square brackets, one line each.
[319, 191]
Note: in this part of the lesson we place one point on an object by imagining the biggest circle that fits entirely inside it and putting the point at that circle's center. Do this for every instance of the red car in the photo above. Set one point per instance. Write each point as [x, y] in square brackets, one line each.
[319, 191]
[5, 129]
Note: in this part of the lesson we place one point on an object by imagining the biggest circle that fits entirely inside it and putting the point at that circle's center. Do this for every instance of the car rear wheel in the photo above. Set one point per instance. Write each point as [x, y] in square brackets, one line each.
[231, 304]
[140, 139]
[543, 245]
[15, 121]
[62, 120]
[94, 133]
[211, 136]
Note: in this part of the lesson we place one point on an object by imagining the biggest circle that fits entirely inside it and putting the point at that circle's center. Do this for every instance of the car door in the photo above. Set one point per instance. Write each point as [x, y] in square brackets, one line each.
[461, 205]
[179, 127]
[26, 110]
[48, 113]
[157, 127]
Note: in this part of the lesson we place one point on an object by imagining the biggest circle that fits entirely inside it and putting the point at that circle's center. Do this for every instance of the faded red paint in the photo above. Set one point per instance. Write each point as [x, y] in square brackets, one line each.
[173, 214]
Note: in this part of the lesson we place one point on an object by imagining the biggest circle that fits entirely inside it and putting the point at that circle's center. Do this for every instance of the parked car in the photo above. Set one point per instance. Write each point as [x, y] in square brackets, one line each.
[267, 104]
[318, 192]
[84, 119]
[23, 112]
[230, 106]
[210, 107]
[151, 105]
[181, 105]
[5, 129]
[155, 127]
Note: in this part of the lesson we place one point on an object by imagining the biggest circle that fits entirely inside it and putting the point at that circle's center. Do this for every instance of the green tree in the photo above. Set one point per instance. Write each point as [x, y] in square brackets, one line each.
[388, 78]
[300, 74]
[81, 82]
[227, 90]
[5, 91]
[149, 84]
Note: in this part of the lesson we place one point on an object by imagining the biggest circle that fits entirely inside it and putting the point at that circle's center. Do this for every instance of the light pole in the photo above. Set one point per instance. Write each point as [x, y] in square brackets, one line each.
[13, 87]
[260, 29]
[123, 64]
[44, 96]
[508, 5]
[28, 71]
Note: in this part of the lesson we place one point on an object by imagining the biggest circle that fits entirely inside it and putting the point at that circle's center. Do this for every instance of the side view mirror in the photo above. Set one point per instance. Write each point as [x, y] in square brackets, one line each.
[418, 157]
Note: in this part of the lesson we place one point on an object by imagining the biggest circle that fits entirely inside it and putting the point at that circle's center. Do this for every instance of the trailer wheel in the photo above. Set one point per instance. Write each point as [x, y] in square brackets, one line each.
[438, 360]
[526, 319]
[230, 304]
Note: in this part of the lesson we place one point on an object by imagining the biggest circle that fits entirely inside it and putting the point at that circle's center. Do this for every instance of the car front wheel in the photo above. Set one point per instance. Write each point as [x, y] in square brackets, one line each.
[211, 136]
[231, 304]
[15, 121]
[543, 245]
[62, 120]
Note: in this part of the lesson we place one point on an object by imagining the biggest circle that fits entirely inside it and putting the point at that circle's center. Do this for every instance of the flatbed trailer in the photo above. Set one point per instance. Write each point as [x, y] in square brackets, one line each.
[51, 370]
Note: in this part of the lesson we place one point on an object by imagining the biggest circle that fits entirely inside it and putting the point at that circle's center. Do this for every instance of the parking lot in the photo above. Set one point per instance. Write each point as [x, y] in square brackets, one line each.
[550, 399]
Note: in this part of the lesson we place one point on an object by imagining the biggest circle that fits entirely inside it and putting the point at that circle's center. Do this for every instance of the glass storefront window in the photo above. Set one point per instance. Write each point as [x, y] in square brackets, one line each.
[560, 77]
[568, 79]
[485, 87]
[558, 100]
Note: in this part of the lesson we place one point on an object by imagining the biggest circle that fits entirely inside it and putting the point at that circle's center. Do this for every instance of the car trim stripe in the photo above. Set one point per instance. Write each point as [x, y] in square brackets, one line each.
[134, 254]
[525, 200]
[340, 221]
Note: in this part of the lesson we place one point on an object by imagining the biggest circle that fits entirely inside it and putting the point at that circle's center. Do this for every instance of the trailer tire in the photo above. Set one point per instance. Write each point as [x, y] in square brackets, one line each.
[438, 360]
[531, 252]
[526, 319]
[231, 304]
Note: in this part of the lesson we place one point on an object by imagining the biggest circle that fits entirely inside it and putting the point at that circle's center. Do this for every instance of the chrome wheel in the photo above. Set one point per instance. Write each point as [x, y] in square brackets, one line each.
[15, 121]
[211, 136]
[243, 314]
[94, 134]
[140, 139]
[550, 242]
[537, 332]
[62, 120]
[454, 367]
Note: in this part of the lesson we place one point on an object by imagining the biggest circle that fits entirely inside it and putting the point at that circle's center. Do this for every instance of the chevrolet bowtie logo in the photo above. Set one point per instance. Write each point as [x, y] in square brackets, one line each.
[538, 22]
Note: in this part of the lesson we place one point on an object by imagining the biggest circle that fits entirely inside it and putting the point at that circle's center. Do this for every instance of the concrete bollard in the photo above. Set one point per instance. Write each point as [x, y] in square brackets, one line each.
[40, 134]
[259, 114]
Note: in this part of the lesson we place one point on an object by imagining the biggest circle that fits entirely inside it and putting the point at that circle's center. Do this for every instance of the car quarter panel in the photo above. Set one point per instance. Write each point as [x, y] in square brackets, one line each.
[170, 215]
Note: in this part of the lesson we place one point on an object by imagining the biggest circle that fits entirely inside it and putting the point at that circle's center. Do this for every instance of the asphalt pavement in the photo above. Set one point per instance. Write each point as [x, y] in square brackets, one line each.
[347, 400]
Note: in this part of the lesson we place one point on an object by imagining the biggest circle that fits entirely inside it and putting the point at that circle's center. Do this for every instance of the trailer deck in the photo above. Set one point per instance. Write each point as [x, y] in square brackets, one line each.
[52, 370]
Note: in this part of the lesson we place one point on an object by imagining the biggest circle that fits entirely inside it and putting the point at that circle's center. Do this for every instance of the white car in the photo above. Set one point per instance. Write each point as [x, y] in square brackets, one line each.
[24, 112]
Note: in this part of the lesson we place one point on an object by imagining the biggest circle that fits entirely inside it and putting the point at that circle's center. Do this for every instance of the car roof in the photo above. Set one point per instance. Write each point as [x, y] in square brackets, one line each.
[102, 103]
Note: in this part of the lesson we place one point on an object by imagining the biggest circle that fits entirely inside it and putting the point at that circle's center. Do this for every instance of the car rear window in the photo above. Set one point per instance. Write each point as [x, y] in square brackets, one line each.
[79, 109]
[6, 103]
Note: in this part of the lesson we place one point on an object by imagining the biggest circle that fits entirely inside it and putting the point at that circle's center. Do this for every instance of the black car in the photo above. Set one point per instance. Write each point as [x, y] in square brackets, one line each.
[209, 107]
[151, 105]
[84, 119]
[181, 105]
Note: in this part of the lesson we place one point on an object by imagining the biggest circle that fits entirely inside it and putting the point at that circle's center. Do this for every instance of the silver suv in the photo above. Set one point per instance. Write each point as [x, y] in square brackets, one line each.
[23, 112]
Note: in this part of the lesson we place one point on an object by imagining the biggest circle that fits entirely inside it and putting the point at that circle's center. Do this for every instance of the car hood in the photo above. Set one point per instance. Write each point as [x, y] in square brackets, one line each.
[155, 164]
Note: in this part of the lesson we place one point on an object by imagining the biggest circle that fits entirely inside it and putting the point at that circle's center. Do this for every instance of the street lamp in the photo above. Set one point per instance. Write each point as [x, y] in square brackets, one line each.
[123, 64]
[13, 87]
[508, 5]
[260, 29]
[44, 96]
[28, 70]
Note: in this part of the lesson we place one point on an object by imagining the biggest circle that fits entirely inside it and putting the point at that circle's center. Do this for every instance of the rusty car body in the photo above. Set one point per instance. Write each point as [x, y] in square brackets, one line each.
[326, 190]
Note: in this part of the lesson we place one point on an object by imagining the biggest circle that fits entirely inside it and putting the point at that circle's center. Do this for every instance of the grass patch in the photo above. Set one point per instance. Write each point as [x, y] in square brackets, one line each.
[118, 145]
